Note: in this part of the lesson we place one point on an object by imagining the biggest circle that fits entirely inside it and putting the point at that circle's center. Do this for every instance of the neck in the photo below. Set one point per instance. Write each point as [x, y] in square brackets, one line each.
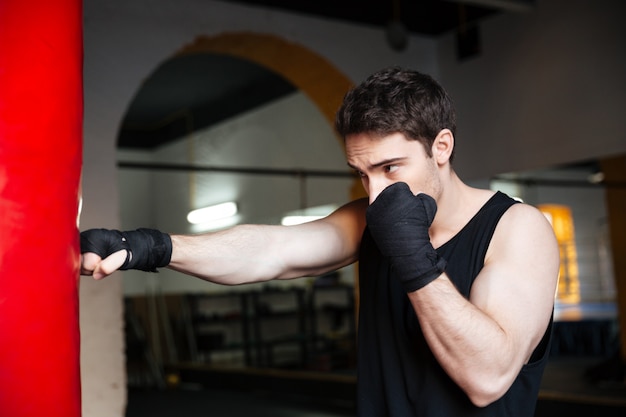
[456, 205]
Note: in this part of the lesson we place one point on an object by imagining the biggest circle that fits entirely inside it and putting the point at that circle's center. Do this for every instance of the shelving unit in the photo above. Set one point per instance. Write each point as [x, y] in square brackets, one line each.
[219, 328]
[293, 328]
[332, 334]
[279, 328]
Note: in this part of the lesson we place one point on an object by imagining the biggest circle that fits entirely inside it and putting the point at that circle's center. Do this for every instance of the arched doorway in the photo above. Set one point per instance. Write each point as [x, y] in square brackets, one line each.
[316, 77]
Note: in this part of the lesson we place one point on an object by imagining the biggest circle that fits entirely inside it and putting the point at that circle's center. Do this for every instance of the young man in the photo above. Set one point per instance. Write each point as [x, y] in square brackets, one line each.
[456, 286]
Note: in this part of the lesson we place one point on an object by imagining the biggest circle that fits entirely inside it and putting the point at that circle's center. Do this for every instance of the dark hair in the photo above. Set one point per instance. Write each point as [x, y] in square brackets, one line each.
[396, 100]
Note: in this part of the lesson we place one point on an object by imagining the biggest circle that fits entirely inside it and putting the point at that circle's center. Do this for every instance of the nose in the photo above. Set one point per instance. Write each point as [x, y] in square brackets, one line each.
[372, 197]
[374, 188]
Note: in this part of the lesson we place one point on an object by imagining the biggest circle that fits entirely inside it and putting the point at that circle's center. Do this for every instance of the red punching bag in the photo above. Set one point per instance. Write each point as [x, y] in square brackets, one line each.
[40, 161]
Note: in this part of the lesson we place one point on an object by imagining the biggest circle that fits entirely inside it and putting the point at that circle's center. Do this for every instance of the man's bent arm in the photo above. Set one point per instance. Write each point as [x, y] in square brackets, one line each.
[483, 342]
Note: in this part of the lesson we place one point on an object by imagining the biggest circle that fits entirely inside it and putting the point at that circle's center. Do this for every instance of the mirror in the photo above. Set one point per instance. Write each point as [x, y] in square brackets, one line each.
[574, 199]
[206, 129]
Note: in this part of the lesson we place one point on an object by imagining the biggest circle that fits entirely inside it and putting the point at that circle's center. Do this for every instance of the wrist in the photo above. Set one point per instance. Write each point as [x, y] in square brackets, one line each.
[418, 269]
[149, 249]
[414, 279]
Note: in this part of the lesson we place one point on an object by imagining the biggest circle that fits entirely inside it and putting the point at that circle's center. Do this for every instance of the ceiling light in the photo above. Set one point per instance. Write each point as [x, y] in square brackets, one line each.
[212, 213]
[293, 220]
[596, 178]
[307, 215]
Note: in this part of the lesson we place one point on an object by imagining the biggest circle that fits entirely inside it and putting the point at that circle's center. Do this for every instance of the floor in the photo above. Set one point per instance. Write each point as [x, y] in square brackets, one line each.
[580, 380]
[565, 392]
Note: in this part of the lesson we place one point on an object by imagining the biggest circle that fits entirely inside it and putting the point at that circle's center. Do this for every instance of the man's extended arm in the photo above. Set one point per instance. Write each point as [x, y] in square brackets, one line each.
[251, 253]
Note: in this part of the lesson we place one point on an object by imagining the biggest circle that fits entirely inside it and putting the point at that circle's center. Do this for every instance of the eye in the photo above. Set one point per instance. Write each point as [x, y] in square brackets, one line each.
[390, 169]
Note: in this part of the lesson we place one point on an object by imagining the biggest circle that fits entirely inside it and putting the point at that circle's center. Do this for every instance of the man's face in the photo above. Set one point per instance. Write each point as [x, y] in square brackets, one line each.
[381, 162]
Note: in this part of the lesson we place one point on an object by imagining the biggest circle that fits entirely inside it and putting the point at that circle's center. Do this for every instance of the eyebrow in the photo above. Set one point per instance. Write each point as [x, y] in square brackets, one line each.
[381, 163]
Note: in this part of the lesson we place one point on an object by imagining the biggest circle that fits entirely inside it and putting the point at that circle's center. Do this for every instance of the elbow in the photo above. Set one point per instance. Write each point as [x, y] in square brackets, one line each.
[486, 391]
[483, 399]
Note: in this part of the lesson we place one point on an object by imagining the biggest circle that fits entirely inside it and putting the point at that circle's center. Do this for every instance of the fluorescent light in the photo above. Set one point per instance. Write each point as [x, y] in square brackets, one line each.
[214, 225]
[212, 213]
[307, 215]
[596, 178]
[293, 220]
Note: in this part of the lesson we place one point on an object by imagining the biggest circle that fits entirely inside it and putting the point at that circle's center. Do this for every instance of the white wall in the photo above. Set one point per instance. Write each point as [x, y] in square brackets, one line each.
[549, 87]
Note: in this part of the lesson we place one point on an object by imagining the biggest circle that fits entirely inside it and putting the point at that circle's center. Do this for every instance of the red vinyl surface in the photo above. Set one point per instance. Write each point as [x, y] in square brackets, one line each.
[41, 109]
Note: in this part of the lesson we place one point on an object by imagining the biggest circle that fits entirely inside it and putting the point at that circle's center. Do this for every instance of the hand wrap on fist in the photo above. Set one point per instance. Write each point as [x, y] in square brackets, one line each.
[147, 249]
[399, 223]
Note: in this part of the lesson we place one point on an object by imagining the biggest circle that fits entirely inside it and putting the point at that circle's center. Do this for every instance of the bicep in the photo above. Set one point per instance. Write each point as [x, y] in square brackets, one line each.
[326, 244]
[517, 284]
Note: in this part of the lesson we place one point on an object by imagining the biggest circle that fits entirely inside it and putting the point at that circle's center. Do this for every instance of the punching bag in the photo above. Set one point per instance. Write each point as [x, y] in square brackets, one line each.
[40, 162]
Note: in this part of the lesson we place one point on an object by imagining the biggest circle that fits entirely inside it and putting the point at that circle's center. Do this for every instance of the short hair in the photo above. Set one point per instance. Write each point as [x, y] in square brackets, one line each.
[397, 100]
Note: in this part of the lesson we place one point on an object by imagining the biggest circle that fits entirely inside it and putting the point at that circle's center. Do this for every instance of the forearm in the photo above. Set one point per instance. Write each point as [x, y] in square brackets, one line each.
[471, 347]
[243, 254]
[254, 253]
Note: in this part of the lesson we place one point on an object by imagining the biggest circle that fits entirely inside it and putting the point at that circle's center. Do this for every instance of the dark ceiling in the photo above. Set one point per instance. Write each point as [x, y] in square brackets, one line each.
[192, 92]
[424, 17]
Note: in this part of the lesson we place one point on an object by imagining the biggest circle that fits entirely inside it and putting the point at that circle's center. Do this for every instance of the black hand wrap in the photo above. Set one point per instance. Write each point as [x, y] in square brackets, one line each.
[147, 249]
[399, 223]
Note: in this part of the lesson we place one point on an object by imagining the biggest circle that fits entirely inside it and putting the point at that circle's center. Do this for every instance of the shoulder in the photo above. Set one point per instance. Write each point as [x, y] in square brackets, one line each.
[351, 211]
[357, 206]
[524, 229]
[522, 261]
[348, 220]
[522, 215]
[351, 215]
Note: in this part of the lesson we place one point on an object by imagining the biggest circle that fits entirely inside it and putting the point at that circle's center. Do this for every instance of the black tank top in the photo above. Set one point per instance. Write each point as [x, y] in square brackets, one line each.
[398, 375]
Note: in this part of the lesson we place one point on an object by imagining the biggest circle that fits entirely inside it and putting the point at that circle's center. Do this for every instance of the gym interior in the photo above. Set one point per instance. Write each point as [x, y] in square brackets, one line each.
[190, 105]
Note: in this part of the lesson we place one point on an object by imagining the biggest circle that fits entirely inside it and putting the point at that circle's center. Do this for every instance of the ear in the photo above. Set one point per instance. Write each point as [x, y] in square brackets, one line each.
[443, 146]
